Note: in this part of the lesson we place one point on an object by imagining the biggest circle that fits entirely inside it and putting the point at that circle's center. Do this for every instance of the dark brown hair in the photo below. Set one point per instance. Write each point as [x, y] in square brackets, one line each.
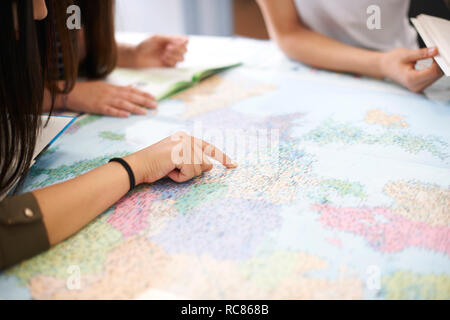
[99, 30]
[58, 42]
[97, 17]
[29, 63]
[21, 90]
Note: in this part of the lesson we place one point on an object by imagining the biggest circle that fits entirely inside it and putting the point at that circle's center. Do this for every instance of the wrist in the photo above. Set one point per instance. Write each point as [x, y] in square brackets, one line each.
[127, 56]
[135, 165]
[381, 70]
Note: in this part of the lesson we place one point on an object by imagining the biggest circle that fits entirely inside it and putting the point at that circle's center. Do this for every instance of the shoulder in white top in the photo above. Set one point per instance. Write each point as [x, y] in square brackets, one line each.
[346, 21]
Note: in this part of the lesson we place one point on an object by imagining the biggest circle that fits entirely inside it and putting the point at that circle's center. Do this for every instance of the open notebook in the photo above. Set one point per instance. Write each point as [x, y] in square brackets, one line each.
[165, 82]
[435, 32]
[51, 131]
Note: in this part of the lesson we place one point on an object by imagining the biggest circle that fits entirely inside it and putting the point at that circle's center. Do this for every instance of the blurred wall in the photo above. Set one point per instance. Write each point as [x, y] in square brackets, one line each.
[152, 16]
[208, 17]
[205, 17]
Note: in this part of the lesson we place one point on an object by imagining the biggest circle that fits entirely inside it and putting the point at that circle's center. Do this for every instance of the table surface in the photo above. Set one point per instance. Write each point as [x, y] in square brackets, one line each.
[347, 194]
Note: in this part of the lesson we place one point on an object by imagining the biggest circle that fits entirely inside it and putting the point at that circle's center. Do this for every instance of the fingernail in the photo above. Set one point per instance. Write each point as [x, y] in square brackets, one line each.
[233, 165]
[432, 50]
[142, 111]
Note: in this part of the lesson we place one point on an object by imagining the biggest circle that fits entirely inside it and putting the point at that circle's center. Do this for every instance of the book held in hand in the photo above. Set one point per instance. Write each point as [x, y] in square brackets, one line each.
[435, 32]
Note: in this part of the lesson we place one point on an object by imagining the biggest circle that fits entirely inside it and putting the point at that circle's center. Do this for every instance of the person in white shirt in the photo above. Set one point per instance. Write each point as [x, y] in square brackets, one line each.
[369, 37]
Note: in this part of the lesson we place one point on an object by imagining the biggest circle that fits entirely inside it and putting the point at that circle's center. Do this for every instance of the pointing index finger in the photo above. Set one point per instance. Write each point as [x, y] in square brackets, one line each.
[215, 153]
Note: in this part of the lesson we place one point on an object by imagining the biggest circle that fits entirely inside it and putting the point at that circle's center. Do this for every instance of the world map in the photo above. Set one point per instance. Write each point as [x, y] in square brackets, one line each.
[353, 201]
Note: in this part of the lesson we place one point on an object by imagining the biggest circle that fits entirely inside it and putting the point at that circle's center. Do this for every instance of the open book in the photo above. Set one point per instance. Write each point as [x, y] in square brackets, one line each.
[165, 82]
[435, 32]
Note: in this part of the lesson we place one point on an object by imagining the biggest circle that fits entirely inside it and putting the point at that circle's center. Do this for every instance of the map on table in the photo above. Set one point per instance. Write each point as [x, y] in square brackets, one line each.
[351, 202]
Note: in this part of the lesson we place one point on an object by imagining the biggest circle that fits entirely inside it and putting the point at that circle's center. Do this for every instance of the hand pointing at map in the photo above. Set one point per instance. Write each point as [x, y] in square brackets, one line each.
[180, 157]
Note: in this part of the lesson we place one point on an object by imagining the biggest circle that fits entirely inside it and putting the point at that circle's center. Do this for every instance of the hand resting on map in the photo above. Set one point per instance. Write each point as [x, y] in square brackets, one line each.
[99, 97]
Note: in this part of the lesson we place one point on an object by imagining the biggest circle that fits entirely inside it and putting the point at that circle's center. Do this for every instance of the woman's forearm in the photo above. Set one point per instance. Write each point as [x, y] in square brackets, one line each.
[323, 52]
[126, 55]
[304, 45]
[69, 206]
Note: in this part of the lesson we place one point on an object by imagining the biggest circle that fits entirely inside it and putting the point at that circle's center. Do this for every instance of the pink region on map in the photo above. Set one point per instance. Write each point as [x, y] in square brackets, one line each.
[131, 213]
[384, 230]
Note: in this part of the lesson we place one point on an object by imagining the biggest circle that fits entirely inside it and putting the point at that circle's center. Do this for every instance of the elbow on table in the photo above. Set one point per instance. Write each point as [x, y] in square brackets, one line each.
[293, 46]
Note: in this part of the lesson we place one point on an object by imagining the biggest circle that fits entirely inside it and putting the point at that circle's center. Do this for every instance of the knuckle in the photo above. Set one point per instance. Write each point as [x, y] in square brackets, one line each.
[416, 89]
[424, 52]
[182, 134]
[109, 111]
[409, 79]
[412, 88]
[128, 96]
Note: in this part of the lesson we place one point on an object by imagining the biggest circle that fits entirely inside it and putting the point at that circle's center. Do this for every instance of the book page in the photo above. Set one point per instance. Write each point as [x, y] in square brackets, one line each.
[427, 28]
[439, 30]
[156, 81]
[50, 132]
[160, 82]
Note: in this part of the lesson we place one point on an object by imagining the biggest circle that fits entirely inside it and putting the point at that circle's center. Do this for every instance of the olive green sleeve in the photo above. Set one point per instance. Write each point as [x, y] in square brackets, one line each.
[22, 230]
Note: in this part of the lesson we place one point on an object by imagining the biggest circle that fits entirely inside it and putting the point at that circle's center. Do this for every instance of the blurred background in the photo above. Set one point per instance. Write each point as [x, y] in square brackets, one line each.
[217, 17]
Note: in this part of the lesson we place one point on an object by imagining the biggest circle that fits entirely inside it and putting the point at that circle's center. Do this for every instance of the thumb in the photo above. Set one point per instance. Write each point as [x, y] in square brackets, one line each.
[419, 54]
[178, 176]
[158, 38]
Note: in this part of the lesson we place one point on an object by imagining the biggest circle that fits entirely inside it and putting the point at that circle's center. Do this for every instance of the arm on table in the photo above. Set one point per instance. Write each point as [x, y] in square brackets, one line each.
[65, 208]
[99, 97]
[304, 45]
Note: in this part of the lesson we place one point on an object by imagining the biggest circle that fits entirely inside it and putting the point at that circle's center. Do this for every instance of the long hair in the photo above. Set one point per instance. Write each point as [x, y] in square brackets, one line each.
[97, 17]
[99, 30]
[21, 90]
[60, 48]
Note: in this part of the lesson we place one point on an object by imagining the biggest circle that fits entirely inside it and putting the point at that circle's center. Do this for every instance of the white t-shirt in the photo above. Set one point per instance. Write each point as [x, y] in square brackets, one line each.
[346, 21]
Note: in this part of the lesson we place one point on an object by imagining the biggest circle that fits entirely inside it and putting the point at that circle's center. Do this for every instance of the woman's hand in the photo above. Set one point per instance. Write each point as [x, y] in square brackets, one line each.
[106, 99]
[180, 157]
[156, 51]
[399, 65]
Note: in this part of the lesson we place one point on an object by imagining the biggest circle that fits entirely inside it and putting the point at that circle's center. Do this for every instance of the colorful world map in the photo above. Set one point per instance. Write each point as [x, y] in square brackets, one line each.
[353, 201]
